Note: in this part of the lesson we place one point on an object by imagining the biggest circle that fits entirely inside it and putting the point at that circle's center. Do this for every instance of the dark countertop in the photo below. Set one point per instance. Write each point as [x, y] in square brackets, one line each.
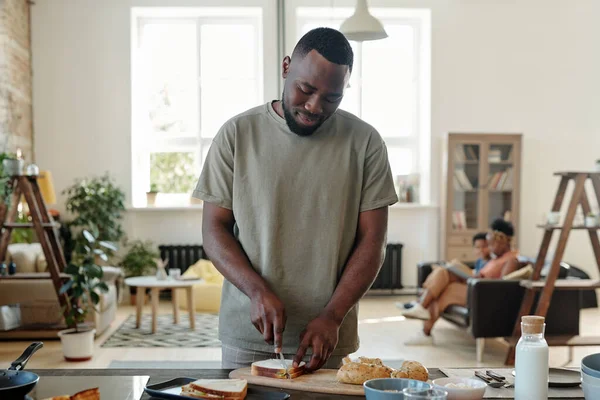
[160, 375]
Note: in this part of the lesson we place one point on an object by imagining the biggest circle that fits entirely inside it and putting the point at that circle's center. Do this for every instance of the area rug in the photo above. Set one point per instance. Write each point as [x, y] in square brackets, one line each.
[167, 333]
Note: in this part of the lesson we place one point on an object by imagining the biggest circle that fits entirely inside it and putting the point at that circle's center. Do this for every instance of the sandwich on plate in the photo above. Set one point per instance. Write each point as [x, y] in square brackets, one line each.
[274, 369]
[216, 389]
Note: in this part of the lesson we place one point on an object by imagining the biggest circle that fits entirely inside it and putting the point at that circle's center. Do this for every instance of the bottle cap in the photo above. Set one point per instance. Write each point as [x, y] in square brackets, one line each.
[532, 324]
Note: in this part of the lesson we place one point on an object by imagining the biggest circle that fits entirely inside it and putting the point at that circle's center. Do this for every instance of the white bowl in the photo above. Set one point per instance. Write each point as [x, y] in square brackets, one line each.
[475, 391]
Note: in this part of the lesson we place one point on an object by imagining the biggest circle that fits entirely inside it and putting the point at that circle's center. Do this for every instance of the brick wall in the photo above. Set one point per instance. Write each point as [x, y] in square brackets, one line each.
[16, 123]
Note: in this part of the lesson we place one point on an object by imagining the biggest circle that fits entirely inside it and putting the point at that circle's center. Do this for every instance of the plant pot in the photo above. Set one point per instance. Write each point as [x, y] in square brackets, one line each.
[13, 166]
[591, 221]
[77, 346]
[151, 198]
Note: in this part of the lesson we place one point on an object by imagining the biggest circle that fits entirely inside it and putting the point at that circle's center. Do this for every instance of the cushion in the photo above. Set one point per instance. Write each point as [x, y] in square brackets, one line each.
[520, 274]
[25, 256]
[205, 270]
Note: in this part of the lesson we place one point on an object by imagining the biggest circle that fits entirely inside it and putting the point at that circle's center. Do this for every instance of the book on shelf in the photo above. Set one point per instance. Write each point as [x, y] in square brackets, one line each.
[459, 154]
[501, 180]
[462, 179]
[495, 156]
[471, 154]
[459, 220]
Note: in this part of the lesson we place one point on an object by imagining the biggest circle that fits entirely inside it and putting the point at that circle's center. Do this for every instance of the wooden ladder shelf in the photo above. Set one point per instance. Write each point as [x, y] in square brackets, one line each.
[45, 230]
[548, 286]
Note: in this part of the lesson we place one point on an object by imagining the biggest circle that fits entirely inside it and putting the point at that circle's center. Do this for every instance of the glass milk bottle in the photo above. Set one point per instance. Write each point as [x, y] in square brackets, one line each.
[531, 360]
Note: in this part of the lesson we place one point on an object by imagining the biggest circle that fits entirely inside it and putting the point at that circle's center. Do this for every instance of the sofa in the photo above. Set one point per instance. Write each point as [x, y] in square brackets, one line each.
[38, 304]
[493, 306]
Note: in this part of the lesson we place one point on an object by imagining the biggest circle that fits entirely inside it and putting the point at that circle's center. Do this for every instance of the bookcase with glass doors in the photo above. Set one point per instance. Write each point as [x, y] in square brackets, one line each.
[483, 183]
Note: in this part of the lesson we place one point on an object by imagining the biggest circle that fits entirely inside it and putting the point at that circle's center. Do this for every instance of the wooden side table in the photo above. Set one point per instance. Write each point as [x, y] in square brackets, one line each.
[141, 283]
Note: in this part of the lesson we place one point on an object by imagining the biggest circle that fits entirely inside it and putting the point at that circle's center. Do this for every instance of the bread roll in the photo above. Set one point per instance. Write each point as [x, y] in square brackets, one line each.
[357, 373]
[367, 360]
[412, 370]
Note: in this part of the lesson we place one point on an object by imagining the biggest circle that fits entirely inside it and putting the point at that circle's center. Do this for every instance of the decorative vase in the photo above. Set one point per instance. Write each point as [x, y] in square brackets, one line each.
[151, 198]
[13, 166]
[77, 346]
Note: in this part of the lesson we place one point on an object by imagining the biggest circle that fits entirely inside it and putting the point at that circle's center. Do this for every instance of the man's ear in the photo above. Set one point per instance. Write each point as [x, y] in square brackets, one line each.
[285, 66]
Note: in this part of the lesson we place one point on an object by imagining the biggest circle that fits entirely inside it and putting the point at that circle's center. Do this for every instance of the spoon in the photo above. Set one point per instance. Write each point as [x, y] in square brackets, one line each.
[489, 381]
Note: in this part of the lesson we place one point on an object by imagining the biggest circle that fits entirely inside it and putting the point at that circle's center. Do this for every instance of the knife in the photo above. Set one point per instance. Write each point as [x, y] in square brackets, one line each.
[284, 364]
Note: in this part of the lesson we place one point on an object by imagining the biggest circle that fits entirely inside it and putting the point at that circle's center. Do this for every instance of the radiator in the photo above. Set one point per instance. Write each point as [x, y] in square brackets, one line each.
[390, 275]
[181, 256]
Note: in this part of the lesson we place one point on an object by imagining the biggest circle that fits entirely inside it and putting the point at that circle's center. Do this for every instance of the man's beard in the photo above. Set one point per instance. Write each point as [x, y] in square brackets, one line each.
[293, 125]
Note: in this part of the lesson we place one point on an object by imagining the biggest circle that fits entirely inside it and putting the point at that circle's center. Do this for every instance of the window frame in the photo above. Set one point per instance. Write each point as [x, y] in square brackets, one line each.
[300, 11]
[146, 141]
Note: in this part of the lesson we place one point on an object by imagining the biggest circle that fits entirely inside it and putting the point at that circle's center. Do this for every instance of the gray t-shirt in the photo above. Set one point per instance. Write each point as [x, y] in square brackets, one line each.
[296, 202]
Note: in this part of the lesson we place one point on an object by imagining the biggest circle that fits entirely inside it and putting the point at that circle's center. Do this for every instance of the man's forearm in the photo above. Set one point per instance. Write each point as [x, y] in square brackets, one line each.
[360, 273]
[230, 260]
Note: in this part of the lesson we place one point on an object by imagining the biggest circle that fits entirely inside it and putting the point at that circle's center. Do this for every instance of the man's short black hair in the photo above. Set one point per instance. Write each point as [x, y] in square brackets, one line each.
[479, 236]
[503, 226]
[329, 43]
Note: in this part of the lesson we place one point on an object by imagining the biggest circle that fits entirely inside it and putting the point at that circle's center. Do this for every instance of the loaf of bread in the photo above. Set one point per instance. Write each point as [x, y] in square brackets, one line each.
[357, 373]
[412, 370]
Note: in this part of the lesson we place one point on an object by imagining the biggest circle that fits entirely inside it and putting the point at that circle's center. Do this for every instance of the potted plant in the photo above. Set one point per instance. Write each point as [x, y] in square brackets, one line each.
[591, 220]
[139, 260]
[151, 195]
[96, 202]
[12, 164]
[83, 295]
[598, 165]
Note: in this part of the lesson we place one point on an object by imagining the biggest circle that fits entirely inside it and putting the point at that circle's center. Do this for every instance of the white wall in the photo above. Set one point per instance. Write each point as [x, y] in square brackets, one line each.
[520, 66]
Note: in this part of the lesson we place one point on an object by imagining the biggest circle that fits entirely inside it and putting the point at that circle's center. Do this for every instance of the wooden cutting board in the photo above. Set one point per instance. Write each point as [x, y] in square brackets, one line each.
[321, 381]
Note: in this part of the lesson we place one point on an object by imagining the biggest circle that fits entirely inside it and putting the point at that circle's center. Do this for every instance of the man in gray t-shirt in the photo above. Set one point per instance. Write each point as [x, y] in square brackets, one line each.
[295, 214]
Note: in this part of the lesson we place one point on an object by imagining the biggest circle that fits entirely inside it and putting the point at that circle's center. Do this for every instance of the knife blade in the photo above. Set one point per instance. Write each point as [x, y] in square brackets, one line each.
[284, 364]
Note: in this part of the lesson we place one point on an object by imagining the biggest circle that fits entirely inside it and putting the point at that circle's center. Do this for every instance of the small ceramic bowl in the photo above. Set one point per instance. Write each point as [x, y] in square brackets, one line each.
[590, 392]
[475, 390]
[592, 380]
[391, 388]
[591, 365]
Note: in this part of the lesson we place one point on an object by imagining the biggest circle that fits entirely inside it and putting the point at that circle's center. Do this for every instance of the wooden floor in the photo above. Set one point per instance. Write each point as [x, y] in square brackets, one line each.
[382, 333]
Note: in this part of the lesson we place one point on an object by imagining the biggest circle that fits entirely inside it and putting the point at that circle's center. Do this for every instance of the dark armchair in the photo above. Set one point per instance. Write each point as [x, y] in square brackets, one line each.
[493, 306]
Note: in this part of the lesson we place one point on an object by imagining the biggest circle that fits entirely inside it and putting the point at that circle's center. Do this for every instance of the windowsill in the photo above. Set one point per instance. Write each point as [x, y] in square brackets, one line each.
[190, 207]
[198, 207]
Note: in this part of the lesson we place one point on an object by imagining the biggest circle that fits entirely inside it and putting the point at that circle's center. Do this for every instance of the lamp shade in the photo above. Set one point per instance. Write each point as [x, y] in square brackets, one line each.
[362, 26]
[47, 187]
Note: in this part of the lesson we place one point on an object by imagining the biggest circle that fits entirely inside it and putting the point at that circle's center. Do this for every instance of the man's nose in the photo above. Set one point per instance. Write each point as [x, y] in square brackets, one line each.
[314, 106]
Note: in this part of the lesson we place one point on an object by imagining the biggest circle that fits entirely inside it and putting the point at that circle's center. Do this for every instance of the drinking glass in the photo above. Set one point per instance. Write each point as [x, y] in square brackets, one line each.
[174, 273]
[425, 394]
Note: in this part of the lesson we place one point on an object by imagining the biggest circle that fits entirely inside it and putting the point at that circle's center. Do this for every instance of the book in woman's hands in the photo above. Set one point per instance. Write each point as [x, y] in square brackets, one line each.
[459, 269]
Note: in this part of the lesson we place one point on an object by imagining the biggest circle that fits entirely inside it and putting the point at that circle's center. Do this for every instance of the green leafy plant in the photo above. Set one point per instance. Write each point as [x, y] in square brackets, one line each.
[23, 235]
[153, 188]
[5, 180]
[96, 202]
[86, 278]
[139, 259]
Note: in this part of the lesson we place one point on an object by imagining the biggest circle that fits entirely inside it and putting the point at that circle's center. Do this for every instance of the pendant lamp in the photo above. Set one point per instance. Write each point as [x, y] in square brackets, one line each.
[362, 26]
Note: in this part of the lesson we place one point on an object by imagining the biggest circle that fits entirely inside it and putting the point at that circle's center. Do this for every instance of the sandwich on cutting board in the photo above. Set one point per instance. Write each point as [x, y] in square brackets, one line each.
[216, 389]
[273, 368]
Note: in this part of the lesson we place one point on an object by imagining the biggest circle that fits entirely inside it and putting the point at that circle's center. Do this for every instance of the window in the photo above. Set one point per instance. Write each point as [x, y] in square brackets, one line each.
[389, 85]
[183, 91]
[186, 67]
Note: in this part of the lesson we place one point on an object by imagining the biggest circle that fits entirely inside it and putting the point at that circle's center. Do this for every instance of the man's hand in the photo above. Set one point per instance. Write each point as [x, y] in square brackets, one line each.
[321, 334]
[268, 317]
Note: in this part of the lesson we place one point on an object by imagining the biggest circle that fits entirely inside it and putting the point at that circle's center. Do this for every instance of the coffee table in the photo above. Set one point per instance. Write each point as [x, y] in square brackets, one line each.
[141, 283]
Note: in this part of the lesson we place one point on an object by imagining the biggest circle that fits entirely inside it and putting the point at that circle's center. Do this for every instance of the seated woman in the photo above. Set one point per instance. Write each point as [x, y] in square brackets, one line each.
[443, 288]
